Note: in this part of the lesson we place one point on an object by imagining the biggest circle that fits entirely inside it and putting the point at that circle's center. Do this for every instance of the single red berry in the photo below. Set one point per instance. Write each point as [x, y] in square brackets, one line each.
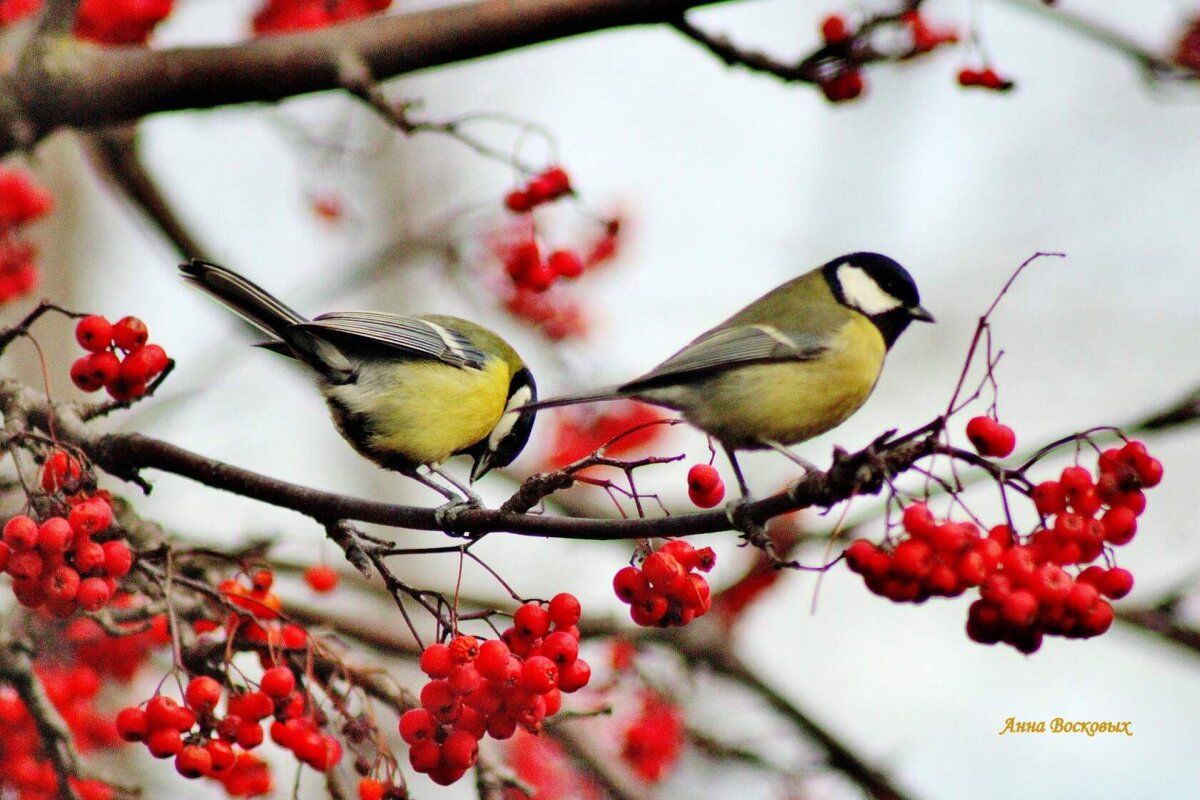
[532, 620]
[83, 377]
[631, 585]
[1075, 479]
[93, 594]
[132, 725]
[129, 333]
[834, 29]
[912, 558]
[565, 610]
[465, 679]
[538, 277]
[26, 565]
[164, 742]
[1049, 498]
[371, 789]
[661, 569]
[222, 754]
[969, 77]
[202, 694]
[94, 333]
[566, 263]
[54, 536]
[990, 438]
[61, 471]
[90, 517]
[277, 682]
[574, 676]
[464, 649]
[136, 367]
[61, 584]
[492, 660]
[118, 558]
[1019, 609]
[539, 675]
[1120, 525]
[560, 647]
[321, 578]
[517, 201]
[1116, 583]
[21, 533]
[193, 761]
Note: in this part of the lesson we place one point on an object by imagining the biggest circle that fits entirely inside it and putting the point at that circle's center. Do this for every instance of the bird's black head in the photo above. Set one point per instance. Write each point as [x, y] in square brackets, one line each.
[508, 437]
[878, 287]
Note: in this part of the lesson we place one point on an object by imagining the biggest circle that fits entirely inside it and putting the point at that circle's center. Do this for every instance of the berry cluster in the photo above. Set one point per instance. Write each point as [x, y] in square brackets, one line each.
[665, 591]
[120, 656]
[124, 378]
[991, 438]
[207, 744]
[58, 565]
[653, 742]
[705, 487]
[25, 768]
[1025, 592]
[545, 187]
[986, 78]
[493, 687]
[120, 22]
[260, 628]
[285, 16]
[21, 202]
[580, 432]
[532, 273]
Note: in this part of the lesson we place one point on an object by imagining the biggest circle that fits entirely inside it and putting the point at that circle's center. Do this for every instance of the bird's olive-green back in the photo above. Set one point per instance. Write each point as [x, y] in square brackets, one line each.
[802, 305]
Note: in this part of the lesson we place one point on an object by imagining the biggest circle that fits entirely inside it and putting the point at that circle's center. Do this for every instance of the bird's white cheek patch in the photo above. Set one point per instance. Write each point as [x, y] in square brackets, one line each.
[509, 418]
[862, 292]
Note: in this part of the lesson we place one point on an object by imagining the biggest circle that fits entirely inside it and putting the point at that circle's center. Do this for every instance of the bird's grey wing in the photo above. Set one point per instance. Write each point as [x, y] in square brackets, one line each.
[733, 347]
[409, 336]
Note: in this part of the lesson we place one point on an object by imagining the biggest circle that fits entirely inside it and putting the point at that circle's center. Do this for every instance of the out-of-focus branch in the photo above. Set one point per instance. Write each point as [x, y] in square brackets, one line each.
[114, 153]
[70, 83]
[16, 667]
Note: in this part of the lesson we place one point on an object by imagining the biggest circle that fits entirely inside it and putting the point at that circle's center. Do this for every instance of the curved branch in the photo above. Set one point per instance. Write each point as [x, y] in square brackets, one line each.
[69, 83]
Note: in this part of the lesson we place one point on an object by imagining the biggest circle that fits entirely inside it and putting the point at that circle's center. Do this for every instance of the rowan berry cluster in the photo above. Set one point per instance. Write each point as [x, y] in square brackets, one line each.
[665, 591]
[124, 378]
[545, 187]
[120, 656]
[284, 16]
[58, 565]
[493, 687]
[25, 768]
[580, 432]
[260, 628]
[653, 742]
[705, 487]
[1025, 590]
[21, 202]
[205, 743]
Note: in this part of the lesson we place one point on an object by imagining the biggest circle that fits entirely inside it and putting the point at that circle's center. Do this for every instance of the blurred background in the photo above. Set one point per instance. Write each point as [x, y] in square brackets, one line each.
[728, 183]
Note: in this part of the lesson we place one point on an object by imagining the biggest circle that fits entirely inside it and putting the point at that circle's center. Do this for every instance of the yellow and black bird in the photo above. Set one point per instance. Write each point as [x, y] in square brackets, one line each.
[793, 364]
[405, 392]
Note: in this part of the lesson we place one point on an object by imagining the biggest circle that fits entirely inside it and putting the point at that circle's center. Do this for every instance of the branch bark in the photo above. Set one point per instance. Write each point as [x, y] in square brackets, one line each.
[64, 82]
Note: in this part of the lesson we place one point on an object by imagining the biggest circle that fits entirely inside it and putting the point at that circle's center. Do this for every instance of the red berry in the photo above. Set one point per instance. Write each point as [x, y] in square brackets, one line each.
[661, 569]
[21, 533]
[202, 694]
[990, 438]
[94, 333]
[565, 263]
[61, 584]
[1020, 608]
[1075, 479]
[61, 471]
[631, 585]
[492, 661]
[538, 277]
[93, 594]
[531, 620]
[425, 756]
[517, 201]
[464, 649]
[1049, 498]
[834, 29]
[565, 610]
[436, 661]
[969, 77]
[1150, 471]
[539, 675]
[465, 679]
[321, 578]
[277, 682]
[574, 676]
[371, 789]
[118, 558]
[164, 742]
[1116, 583]
[1120, 524]
[560, 647]
[222, 755]
[90, 517]
[129, 333]
[460, 750]
[26, 565]
[193, 761]
[137, 367]
[912, 558]
[132, 725]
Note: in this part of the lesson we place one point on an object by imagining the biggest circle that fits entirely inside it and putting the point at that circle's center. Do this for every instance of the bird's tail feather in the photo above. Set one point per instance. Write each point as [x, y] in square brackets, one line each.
[249, 300]
[592, 396]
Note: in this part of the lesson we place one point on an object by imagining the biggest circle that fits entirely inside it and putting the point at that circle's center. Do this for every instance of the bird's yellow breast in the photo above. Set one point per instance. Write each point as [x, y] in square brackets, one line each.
[421, 412]
[786, 402]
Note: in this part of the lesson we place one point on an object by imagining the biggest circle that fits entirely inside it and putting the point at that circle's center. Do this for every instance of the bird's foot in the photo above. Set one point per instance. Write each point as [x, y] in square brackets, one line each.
[447, 514]
[741, 518]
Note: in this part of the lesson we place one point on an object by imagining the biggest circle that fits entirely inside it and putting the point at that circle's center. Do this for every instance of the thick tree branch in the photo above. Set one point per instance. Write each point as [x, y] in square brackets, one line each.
[79, 85]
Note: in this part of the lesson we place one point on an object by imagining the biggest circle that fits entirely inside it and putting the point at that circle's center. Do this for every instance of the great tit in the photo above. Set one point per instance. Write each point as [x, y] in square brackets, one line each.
[404, 391]
[793, 364]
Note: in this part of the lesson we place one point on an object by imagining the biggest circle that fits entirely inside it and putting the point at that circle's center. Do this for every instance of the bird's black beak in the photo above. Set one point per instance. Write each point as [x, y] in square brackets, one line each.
[919, 313]
[482, 465]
